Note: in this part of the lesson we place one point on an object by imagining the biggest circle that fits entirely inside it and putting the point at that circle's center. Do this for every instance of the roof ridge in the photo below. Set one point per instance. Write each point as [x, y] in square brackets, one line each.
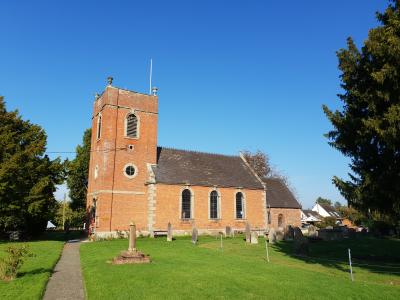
[197, 152]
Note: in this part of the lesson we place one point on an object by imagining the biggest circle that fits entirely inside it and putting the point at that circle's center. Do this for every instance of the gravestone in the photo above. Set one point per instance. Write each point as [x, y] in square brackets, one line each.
[248, 232]
[169, 233]
[195, 234]
[228, 231]
[254, 238]
[272, 236]
[300, 245]
[289, 233]
[279, 234]
[132, 256]
[312, 231]
[14, 235]
[297, 233]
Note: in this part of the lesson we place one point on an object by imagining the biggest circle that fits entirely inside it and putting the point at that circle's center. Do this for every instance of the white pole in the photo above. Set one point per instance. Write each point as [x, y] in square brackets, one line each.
[151, 73]
[221, 243]
[351, 268]
[266, 248]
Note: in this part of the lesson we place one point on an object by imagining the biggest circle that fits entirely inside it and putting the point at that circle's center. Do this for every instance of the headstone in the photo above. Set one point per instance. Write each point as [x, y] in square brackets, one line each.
[289, 233]
[169, 233]
[312, 231]
[279, 234]
[272, 236]
[248, 232]
[195, 234]
[132, 237]
[228, 231]
[254, 238]
[300, 245]
[297, 233]
[14, 235]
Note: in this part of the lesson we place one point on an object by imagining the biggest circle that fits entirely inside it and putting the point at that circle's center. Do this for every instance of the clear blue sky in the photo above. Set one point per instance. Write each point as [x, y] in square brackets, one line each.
[232, 75]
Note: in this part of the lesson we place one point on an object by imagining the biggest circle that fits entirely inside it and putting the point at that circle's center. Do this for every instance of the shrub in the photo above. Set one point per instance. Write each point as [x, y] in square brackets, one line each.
[328, 221]
[10, 265]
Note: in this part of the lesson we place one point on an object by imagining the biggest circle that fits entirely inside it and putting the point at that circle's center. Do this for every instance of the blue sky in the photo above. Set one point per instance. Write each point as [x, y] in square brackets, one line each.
[232, 75]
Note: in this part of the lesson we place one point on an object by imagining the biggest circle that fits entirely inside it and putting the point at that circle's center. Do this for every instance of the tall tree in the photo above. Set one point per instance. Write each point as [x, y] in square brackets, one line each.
[367, 129]
[321, 200]
[27, 176]
[259, 162]
[78, 172]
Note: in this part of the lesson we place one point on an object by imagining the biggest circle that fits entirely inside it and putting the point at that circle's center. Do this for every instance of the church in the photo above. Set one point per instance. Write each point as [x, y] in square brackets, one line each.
[131, 178]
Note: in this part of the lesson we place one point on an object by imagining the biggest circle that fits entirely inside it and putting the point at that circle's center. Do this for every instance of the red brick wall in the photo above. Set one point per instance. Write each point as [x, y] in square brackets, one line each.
[168, 208]
[291, 216]
[110, 155]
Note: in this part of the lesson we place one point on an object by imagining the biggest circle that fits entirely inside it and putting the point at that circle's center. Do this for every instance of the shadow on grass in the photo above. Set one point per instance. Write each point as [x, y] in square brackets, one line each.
[377, 255]
[35, 272]
[53, 235]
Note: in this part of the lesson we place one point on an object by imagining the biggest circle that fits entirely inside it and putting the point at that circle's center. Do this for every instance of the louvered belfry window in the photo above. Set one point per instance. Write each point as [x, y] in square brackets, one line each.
[131, 126]
[239, 206]
[186, 204]
[214, 205]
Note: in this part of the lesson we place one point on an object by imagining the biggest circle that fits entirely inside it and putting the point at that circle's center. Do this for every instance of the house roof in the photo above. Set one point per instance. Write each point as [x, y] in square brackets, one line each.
[206, 169]
[310, 213]
[278, 195]
[330, 210]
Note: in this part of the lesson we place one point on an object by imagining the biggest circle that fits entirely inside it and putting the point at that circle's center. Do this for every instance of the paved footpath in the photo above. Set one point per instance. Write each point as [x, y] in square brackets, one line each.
[66, 281]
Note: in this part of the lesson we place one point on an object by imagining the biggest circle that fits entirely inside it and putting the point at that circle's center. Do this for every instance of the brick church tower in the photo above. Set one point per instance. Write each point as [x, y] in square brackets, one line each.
[124, 147]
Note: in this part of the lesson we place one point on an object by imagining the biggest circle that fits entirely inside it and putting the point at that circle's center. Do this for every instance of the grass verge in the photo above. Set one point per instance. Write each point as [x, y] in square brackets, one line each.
[239, 271]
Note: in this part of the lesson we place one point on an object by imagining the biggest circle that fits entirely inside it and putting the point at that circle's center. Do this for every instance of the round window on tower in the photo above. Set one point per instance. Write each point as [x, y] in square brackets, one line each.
[130, 170]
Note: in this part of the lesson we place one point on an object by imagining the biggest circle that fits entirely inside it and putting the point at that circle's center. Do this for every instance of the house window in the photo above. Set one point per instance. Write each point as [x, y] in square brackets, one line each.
[214, 205]
[280, 220]
[186, 204]
[99, 127]
[239, 206]
[131, 126]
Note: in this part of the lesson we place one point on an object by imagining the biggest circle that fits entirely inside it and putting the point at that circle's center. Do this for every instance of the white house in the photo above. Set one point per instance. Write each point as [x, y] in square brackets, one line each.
[326, 210]
[310, 216]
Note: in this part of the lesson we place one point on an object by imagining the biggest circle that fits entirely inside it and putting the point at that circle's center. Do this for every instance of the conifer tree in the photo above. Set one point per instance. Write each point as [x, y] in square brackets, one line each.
[367, 129]
[78, 172]
[27, 176]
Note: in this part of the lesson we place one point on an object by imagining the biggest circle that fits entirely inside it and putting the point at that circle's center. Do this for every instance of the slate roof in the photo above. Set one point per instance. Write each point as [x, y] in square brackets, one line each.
[278, 195]
[204, 169]
[311, 213]
[331, 210]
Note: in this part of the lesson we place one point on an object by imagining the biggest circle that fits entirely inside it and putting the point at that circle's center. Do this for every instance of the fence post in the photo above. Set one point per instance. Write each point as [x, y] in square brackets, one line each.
[221, 243]
[351, 268]
[266, 248]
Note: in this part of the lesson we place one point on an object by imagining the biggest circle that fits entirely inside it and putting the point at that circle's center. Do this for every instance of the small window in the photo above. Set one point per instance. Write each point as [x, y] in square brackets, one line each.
[239, 206]
[130, 171]
[131, 126]
[99, 127]
[280, 220]
[214, 205]
[186, 204]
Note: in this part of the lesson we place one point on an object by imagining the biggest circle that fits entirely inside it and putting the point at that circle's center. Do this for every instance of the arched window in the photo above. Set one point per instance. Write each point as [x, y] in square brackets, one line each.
[239, 206]
[280, 220]
[214, 205]
[131, 126]
[186, 204]
[99, 127]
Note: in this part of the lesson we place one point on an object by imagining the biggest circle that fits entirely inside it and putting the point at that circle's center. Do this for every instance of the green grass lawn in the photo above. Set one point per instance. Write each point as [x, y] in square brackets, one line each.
[182, 270]
[35, 272]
